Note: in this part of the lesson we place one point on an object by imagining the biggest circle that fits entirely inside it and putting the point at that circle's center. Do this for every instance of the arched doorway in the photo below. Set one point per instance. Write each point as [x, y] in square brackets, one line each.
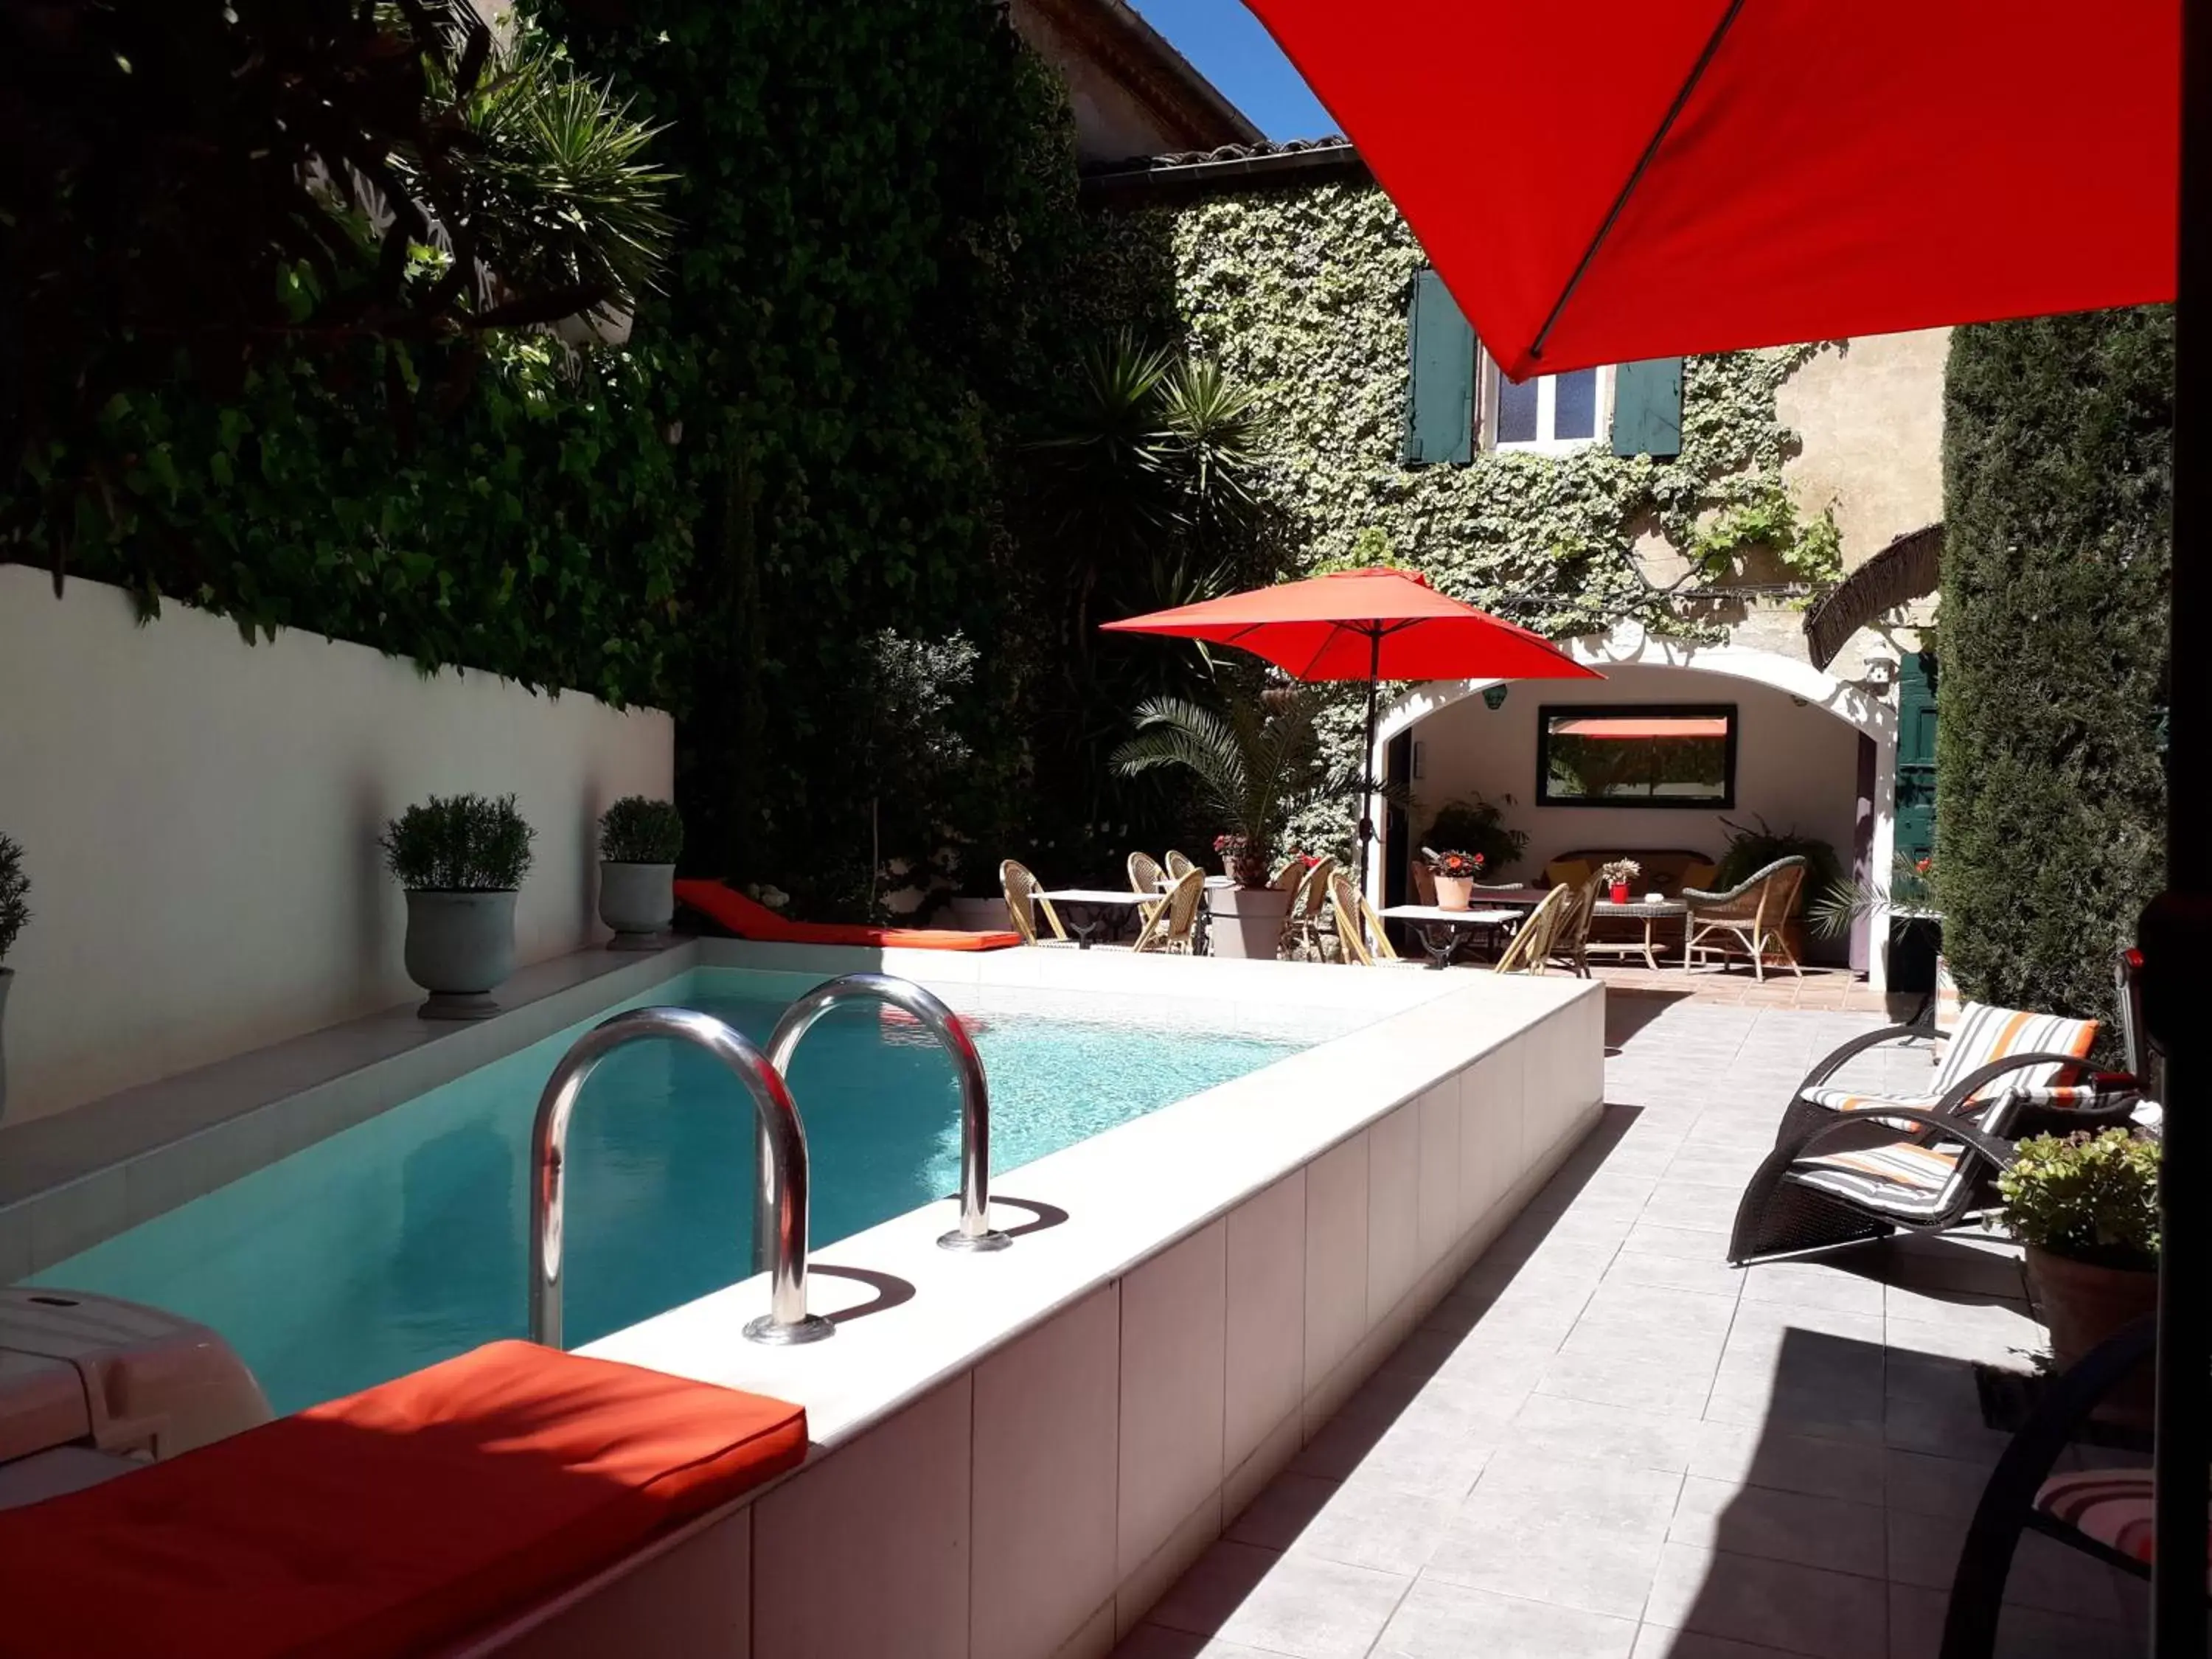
[1809, 753]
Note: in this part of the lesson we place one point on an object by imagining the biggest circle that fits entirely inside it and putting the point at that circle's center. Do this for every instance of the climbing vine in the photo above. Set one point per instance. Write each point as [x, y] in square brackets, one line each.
[1301, 292]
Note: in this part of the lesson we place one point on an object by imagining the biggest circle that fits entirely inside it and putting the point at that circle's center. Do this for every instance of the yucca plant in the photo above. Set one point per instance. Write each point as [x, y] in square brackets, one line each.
[1254, 765]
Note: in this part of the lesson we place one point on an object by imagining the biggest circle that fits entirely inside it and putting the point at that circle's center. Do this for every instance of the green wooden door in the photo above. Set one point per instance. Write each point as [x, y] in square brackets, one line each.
[1915, 756]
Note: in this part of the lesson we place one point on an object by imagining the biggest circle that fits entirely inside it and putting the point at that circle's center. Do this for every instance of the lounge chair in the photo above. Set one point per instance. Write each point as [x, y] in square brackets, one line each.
[1024, 906]
[1170, 929]
[2104, 1513]
[1748, 918]
[713, 906]
[2038, 1059]
[1529, 950]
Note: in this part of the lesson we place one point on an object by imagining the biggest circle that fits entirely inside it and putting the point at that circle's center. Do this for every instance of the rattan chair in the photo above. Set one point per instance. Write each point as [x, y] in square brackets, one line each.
[1302, 938]
[1748, 918]
[1566, 949]
[1360, 932]
[1171, 928]
[1529, 950]
[1178, 865]
[1023, 905]
[1144, 877]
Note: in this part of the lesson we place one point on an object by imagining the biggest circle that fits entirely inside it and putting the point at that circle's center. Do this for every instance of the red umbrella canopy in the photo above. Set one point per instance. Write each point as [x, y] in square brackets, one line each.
[1366, 624]
[1612, 180]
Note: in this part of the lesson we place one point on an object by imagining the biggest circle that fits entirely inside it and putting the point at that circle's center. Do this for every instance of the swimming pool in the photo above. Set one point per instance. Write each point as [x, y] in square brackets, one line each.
[401, 1241]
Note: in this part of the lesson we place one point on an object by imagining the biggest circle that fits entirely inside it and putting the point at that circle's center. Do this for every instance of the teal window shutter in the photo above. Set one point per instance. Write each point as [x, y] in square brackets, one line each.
[1440, 382]
[1647, 407]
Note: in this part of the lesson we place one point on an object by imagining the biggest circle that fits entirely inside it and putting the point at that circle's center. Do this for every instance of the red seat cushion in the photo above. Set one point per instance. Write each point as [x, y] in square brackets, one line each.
[388, 1522]
[750, 919]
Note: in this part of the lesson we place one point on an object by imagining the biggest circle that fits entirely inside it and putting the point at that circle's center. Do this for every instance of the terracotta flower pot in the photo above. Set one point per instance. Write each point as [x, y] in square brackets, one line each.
[2081, 1304]
[1454, 892]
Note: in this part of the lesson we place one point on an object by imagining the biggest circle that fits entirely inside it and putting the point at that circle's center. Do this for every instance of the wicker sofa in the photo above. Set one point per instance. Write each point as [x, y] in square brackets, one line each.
[1667, 870]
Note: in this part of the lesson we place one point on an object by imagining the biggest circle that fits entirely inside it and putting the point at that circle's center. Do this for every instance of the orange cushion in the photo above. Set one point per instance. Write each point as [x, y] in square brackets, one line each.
[750, 919]
[388, 1522]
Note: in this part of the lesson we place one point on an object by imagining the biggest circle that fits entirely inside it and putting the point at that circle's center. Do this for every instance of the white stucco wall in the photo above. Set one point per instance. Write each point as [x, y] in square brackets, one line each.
[199, 817]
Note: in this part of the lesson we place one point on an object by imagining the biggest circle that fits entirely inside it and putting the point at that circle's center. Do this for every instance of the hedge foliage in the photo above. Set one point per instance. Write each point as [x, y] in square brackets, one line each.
[876, 202]
[2058, 492]
[537, 532]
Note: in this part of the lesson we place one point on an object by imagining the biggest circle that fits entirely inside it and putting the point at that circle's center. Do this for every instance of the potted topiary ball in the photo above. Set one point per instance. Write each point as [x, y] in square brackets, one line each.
[15, 886]
[461, 859]
[2087, 1208]
[640, 840]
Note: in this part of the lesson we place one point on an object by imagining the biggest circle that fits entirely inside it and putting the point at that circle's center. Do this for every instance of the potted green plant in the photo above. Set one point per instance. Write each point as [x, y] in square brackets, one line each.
[15, 915]
[462, 859]
[2086, 1206]
[1456, 873]
[1617, 876]
[1477, 825]
[1256, 762]
[640, 841]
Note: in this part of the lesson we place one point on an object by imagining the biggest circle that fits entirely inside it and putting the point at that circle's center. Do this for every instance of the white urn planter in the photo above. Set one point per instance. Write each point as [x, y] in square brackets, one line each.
[1247, 921]
[638, 901]
[461, 949]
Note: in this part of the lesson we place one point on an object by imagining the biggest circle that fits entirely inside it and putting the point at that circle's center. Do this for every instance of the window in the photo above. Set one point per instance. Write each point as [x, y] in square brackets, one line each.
[1675, 755]
[1546, 414]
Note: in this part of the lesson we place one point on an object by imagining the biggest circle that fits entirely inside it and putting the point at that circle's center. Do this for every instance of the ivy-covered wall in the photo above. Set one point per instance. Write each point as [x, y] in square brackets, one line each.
[2059, 501]
[1300, 291]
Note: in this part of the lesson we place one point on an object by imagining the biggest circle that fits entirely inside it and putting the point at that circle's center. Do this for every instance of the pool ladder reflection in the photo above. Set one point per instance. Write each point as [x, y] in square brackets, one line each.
[781, 1193]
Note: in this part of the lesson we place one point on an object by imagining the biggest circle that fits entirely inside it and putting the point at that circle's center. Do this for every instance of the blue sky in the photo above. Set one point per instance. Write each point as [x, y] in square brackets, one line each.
[1231, 49]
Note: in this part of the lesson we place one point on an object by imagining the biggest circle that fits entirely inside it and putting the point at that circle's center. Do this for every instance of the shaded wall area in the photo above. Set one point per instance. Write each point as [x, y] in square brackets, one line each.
[199, 819]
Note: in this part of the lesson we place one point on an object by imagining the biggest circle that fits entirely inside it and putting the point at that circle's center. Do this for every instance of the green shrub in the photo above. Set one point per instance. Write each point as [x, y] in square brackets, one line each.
[459, 844]
[2059, 490]
[1749, 851]
[2094, 1198]
[1472, 826]
[14, 885]
[638, 830]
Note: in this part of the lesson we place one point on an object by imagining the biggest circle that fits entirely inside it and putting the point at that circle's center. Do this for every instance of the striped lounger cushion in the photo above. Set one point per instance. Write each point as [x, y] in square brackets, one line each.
[1987, 1034]
[2113, 1506]
[1905, 1179]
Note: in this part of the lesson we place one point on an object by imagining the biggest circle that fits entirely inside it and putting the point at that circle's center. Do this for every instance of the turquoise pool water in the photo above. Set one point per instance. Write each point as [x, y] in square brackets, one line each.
[401, 1241]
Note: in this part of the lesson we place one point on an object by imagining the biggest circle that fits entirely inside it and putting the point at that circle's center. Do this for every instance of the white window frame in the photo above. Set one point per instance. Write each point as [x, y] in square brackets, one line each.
[1542, 444]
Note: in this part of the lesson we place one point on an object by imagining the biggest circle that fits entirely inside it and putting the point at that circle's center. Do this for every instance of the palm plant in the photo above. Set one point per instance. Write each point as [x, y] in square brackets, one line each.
[1255, 763]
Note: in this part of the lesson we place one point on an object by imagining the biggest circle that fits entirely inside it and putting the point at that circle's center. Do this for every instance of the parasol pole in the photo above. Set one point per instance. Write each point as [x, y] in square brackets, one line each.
[1367, 751]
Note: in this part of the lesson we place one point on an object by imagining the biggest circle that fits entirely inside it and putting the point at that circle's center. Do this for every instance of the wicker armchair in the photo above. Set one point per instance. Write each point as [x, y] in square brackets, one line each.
[1360, 932]
[1748, 919]
[1178, 865]
[1144, 877]
[1530, 951]
[1566, 949]
[1170, 929]
[1302, 940]
[1023, 905]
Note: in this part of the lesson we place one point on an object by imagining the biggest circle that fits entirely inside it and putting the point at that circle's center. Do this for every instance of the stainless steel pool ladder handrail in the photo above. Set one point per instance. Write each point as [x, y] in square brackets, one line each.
[975, 1231]
[783, 1169]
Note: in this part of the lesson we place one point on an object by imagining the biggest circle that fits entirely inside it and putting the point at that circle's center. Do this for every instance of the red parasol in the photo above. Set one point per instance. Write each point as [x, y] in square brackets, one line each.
[1612, 181]
[1371, 625]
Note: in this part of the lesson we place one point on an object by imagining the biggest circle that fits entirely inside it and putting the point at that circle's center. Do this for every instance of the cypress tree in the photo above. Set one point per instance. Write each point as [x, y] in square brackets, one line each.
[2058, 491]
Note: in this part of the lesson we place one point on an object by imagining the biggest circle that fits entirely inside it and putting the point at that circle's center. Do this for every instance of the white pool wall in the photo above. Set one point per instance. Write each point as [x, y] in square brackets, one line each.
[1020, 1459]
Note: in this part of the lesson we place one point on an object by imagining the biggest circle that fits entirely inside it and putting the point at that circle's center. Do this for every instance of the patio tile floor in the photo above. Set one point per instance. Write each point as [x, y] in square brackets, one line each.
[1607, 1443]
